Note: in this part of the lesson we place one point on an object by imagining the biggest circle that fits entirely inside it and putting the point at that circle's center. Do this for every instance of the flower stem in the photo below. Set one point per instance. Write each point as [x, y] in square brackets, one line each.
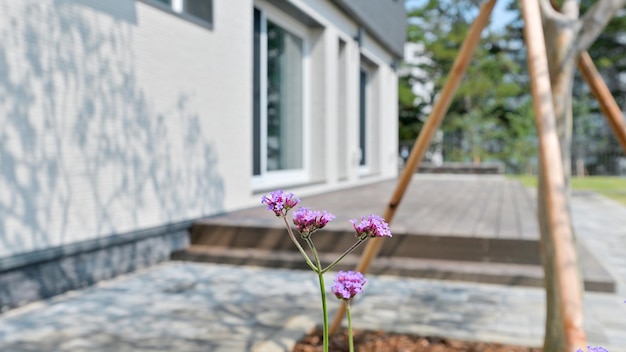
[348, 251]
[350, 337]
[323, 292]
[320, 276]
[295, 241]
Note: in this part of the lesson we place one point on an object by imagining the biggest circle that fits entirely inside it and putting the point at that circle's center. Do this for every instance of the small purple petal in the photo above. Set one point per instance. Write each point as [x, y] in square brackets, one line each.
[348, 284]
[280, 202]
[308, 221]
[596, 349]
[372, 226]
[593, 349]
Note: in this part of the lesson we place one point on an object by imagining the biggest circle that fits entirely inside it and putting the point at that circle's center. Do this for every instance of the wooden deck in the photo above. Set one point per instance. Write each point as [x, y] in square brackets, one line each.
[465, 206]
[484, 223]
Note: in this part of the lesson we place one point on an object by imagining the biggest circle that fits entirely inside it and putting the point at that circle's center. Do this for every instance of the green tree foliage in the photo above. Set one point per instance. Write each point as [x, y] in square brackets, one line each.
[608, 54]
[593, 141]
[410, 110]
[489, 119]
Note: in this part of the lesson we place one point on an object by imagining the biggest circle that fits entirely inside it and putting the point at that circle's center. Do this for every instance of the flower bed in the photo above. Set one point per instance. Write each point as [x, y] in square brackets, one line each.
[380, 341]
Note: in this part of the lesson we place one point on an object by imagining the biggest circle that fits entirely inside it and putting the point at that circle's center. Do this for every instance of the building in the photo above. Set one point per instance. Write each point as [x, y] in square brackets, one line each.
[123, 121]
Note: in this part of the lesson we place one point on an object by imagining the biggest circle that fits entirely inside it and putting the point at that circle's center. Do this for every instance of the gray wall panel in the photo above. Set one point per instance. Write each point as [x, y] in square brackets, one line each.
[383, 19]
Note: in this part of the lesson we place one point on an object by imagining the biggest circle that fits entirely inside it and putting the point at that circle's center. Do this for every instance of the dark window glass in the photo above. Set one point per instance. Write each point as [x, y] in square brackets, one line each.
[166, 2]
[202, 9]
[277, 125]
[256, 105]
[363, 116]
[284, 99]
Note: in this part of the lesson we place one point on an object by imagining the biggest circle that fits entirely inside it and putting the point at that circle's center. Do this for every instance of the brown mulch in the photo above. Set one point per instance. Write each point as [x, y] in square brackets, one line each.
[380, 341]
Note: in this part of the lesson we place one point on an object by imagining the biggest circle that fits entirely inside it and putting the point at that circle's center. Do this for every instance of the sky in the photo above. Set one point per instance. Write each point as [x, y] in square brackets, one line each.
[499, 17]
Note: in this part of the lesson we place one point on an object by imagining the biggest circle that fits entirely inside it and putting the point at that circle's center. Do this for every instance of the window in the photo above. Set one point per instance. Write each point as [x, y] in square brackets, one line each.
[368, 129]
[278, 116]
[202, 9]
[363, 112]
[198, 11]
[342, 111]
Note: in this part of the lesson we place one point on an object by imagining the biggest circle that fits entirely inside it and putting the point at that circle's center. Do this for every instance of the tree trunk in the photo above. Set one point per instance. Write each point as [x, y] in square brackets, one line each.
[560, 39]
[565, 35]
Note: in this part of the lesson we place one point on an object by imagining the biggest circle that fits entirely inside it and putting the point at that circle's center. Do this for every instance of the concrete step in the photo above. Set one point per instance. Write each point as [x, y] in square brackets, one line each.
[418, 246]
[483, 272]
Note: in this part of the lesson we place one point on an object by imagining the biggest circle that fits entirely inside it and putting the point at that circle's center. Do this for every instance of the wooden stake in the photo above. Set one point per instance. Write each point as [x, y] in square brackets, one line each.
[423, 140]
[566, 275]
[603, 95]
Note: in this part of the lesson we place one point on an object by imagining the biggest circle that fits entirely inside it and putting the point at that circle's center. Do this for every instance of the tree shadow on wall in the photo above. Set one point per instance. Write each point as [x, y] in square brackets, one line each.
[84, 151]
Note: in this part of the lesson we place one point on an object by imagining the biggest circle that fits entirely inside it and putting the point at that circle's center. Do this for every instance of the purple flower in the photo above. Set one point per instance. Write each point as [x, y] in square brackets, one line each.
[594, 349]
[308, 221]
[280, 202]
[372, 226]
[348, 284]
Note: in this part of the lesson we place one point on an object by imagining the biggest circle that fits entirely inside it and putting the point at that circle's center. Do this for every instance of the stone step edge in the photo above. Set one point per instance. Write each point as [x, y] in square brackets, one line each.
[461, 248]
[482, 272]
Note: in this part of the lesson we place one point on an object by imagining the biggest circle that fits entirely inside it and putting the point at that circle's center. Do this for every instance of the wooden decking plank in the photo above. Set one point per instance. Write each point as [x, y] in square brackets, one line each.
[421, 203]
[482, 193]
[465, 207]
[486, 226]
[480, 196]
[449, 208]
[459, 203]
[422, 214]
[527, 213]
[507, 224]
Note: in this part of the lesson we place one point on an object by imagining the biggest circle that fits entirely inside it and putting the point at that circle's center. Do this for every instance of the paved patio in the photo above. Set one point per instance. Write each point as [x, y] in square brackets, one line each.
[182, 306]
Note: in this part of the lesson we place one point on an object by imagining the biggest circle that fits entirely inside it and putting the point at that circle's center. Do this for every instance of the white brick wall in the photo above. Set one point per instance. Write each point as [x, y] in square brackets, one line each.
[117, 116]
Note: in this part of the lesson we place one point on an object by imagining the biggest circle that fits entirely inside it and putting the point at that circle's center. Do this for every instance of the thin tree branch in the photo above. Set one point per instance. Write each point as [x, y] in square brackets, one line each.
[595, 20]
[550, 13]
[570, 8]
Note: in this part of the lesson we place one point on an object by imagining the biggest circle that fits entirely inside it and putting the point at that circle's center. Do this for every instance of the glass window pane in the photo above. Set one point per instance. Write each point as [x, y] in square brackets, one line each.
[199, 8]
[284, 99]
[363, 116]
[166, 2]
[256, 107]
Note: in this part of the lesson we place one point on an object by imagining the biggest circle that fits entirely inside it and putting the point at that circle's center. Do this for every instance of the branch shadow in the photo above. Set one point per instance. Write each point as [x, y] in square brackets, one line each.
[85, 151]
[174, 307]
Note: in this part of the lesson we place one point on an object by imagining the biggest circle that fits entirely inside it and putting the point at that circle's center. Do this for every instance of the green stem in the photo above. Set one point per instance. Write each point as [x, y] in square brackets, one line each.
[320, 276]
[323, 292]
[350, 337]
[295, 241]
[354, 246]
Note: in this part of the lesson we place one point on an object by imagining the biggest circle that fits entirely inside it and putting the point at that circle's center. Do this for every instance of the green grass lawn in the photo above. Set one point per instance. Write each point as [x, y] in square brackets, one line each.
[611, 187]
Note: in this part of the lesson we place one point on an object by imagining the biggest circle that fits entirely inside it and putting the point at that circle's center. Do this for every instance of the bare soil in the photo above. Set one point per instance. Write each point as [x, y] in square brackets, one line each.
[380, 341]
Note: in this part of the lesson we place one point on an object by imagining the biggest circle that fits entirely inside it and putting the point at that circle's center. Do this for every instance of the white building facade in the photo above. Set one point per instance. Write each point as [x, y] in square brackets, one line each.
[124, 121]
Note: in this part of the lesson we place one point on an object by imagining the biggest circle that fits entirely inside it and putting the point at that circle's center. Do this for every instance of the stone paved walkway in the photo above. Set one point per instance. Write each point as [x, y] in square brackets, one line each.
[178, 306]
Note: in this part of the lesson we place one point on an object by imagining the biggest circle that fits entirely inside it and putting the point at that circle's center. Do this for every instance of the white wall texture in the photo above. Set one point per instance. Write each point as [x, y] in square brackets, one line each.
[117, 116]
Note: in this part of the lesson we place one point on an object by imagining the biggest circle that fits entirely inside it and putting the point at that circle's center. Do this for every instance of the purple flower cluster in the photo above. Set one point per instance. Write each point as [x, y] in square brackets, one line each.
[594, 349]
[308, 221]
[348, 284]
[280, 202]
[372, 226]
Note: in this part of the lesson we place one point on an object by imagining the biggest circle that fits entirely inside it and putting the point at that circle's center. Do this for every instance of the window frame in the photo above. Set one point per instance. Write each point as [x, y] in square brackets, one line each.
[176, 8]
[267, 179]
[365, 161]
